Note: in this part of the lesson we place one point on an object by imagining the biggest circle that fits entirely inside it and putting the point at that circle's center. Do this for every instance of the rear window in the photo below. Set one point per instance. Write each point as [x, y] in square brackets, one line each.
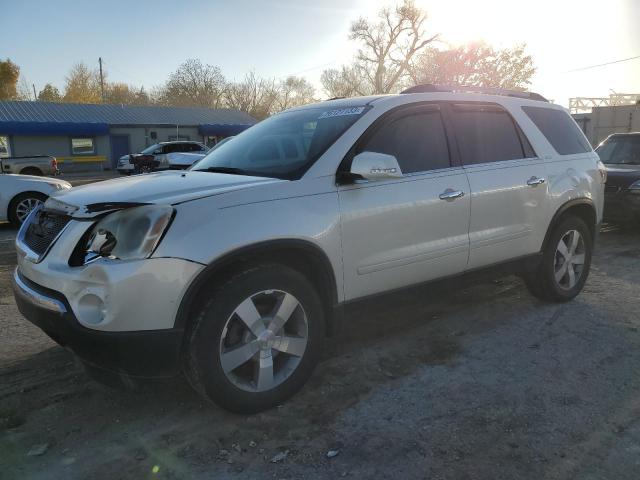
[486, 133]
[560, 130]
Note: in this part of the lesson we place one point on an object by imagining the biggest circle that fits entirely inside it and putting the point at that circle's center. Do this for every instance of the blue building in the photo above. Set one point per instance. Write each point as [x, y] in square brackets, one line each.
[83, 136]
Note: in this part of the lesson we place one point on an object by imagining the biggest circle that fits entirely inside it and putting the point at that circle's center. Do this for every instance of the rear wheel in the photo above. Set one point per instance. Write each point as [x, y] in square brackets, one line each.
[22, 205]
[565, 263]
[257, 339]
[31, 171]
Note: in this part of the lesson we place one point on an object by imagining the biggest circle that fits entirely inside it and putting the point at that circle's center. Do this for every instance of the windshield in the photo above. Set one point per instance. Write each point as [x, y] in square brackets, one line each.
[283, 146]
[151, 149]
[621, 150]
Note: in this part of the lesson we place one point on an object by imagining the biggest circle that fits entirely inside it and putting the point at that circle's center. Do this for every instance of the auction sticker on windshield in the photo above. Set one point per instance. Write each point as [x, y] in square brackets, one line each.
[342, 111]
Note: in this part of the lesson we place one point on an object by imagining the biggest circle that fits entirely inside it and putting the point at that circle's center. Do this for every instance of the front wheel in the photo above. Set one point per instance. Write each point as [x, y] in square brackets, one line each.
[22, 205]
[565, 263]
[256, 340]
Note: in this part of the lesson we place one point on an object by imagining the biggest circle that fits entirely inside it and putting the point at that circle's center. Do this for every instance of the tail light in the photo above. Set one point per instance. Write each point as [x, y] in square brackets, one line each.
[603, 171]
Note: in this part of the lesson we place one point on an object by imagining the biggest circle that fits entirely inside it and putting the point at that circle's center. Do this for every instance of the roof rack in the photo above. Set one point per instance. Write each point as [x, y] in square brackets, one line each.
[428, 87]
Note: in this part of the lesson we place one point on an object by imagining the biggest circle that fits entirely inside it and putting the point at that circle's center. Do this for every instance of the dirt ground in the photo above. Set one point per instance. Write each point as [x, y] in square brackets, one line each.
[481, 383]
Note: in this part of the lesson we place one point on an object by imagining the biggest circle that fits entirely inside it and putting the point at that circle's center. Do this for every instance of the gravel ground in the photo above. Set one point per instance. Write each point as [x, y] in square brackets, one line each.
[480, 383]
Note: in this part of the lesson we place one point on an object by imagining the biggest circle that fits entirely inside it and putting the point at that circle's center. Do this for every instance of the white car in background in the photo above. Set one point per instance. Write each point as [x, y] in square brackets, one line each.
[163, 156]
[20, 194]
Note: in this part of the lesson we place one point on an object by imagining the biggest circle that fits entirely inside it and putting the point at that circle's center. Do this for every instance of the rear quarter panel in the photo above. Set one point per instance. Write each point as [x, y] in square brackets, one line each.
[569, 177]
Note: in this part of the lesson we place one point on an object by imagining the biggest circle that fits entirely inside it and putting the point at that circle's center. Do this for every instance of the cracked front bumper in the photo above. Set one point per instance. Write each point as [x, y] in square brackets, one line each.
[143, 354]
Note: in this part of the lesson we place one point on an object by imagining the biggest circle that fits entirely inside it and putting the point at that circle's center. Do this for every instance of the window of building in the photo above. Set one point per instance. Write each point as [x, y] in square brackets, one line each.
[417, 140]
[560, 130]
[5, 150]
[82, 146]
[487, 133]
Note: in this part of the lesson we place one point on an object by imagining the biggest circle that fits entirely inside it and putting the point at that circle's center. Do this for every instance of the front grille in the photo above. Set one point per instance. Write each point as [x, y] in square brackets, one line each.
[43, 229]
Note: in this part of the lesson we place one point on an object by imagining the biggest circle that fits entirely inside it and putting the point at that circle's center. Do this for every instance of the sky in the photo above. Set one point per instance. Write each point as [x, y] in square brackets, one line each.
[142, 42]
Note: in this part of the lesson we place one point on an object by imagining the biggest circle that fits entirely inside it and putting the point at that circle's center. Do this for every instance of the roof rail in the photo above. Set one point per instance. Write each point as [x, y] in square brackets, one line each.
[428, 87]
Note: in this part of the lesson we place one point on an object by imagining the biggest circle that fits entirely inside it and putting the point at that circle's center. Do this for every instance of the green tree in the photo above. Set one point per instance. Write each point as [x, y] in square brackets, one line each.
[49, 94]
[9, 74]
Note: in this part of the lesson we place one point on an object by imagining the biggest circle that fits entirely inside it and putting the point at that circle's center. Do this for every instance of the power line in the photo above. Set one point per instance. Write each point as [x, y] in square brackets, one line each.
[603, 64]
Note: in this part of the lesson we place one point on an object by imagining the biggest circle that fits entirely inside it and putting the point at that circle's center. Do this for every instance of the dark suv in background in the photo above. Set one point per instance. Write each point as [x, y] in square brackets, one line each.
[620, 153]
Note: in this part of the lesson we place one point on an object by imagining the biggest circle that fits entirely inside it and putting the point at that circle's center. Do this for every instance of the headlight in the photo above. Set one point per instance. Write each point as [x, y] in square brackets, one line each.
[635, 187]
[129, 234]
[59, 186]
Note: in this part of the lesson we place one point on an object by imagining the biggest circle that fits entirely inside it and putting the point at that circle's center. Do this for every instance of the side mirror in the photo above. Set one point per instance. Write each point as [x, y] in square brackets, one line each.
[375, 166]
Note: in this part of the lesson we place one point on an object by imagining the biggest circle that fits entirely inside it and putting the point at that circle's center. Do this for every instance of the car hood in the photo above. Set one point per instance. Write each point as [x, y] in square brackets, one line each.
[36, 179]
[622, 176]
[170, 187]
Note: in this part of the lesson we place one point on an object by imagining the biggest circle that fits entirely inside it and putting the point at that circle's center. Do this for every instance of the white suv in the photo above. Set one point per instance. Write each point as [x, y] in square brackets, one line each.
[235, 271]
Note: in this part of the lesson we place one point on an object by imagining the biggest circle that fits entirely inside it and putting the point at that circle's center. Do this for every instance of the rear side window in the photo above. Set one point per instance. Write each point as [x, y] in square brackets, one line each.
[417, 140]
[560, 130]
[487, 133]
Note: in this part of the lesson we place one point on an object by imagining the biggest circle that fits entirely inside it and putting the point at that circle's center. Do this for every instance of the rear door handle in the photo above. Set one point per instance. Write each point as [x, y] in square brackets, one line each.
[533, 181]
[450, 194]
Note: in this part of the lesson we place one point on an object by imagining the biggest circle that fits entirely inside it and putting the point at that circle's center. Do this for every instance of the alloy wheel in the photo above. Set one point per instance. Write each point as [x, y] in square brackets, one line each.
[263, 340]
[569, 260]
[25, 207]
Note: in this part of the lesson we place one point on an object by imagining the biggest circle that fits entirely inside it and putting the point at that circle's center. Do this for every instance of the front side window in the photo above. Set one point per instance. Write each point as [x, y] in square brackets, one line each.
[560, 130]
[5, 151]
[417, 140]
[622, 150]
[152, 149]
[282, 146]
[487, 133]
[82, 146]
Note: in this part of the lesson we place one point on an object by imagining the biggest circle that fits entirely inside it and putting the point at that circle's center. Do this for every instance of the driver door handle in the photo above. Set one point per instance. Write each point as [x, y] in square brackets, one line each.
[450, 194]
[533, 181]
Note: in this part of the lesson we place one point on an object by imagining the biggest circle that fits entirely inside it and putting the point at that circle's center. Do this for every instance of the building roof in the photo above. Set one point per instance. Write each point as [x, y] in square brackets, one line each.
[44, 118]
[37, 112]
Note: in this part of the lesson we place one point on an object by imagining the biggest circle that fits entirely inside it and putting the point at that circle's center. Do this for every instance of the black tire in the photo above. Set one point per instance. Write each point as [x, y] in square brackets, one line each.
[204, 369]
[31, 171]
[542, 282]
[15, 201]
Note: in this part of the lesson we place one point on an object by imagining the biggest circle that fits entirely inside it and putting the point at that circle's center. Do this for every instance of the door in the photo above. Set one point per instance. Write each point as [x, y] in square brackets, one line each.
[397, 232]
[507, 181]
[119, 147]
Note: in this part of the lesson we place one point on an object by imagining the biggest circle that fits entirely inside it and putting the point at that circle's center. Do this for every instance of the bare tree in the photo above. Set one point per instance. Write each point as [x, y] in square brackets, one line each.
[292, 92]
[345, 82]
[475, 64]
[194, 84]
[253, 95]
[389, 45]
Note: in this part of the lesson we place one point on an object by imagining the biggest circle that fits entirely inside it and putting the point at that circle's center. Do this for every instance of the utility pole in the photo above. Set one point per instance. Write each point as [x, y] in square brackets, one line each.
[101, 79]
[35, 97]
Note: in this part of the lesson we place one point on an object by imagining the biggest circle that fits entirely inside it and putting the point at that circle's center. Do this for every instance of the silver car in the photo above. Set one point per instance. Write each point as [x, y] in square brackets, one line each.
[234, 272]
